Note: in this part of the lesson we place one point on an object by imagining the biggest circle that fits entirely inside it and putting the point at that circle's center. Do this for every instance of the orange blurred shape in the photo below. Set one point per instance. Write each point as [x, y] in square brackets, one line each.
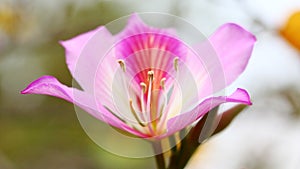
[291, 30]
[9, 19]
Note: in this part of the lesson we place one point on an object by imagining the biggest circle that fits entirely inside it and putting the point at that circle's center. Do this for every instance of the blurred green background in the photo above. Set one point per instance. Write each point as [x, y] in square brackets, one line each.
[43, 132]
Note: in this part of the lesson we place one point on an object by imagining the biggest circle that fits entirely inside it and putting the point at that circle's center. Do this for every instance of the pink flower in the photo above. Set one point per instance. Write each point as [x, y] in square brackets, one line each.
[146, 81]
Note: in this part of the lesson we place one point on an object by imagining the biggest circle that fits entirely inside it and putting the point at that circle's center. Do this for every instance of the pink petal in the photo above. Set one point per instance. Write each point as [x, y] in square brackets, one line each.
[183, 120]
[150, 50]
[136, 26]
[49, 85]
[233, 45]
[224, 57]
[143, 47]
[83, 66]
[150, 40]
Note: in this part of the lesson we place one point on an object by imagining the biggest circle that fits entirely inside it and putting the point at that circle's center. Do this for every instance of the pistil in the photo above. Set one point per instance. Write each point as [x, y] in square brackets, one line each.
[148, 104]
[143, 91]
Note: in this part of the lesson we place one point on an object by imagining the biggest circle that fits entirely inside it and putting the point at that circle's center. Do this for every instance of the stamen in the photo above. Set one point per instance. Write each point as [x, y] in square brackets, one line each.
[162, 83]
[143, 85]
[123, 77]
[114, 114]
[176, 63]
[122, 64]
[135, 114]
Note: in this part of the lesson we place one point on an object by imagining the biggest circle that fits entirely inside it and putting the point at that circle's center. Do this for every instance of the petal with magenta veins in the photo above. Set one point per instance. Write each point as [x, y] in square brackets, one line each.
[159, 58]
[150, 40]
[135, 26]
[149, 46]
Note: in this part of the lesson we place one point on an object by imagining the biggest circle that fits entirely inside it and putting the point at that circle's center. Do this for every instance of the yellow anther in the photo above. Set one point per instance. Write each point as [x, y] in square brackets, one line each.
[122, 64]
[144, 86]
[162, 82]
[176, 59]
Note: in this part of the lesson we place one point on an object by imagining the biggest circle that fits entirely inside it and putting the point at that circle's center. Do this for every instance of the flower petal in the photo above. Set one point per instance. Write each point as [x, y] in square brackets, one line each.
[144, 47]
[83, 66]
[221, 59]
[49, 85]
[135, 26]
[183, 120]
[233, 45]
[150, 50]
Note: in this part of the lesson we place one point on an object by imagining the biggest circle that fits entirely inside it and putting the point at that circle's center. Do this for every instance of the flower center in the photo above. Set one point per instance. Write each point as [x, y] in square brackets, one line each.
[149, 101]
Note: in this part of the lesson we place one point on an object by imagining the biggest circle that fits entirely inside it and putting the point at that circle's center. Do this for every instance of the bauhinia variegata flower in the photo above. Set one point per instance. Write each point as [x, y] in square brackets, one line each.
[139, 80]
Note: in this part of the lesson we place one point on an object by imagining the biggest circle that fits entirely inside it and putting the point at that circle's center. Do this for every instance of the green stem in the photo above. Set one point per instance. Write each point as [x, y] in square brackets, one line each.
[159, 156]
